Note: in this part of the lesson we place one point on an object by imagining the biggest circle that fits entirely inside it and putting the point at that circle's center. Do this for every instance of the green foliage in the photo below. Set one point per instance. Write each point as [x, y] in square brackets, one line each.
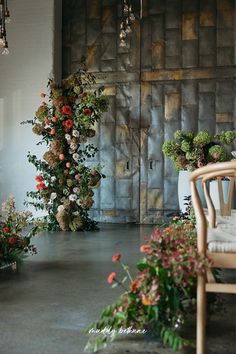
[65, 121]
[189, 152]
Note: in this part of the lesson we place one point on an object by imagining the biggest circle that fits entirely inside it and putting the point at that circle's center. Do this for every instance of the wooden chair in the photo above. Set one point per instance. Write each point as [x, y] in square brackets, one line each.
[215, 238]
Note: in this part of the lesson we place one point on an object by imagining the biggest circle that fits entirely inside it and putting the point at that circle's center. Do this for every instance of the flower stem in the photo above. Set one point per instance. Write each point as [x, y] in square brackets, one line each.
[127, 271]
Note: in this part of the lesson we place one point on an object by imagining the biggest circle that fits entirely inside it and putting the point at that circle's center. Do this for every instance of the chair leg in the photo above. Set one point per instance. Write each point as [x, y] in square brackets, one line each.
[201, 315]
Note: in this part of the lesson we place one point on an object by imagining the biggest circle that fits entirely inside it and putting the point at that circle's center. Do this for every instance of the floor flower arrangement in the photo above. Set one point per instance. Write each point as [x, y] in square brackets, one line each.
[65, 121]
[15, 239]
[159, 298]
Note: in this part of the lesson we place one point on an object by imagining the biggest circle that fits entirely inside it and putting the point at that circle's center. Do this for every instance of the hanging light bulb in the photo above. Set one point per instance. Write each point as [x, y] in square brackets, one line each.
[128, 29]
[132, 17]
[5, 50]
[122, 43]
[7, 13]
[122, 34]
[126, 20]
[4, 18]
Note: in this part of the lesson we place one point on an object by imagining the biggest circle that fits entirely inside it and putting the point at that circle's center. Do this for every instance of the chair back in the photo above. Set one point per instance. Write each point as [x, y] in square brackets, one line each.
[206, 173]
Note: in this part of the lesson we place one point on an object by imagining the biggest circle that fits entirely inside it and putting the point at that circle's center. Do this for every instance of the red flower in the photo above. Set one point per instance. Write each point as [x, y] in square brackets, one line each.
[69, 123]
[42, 94]
[145, 248]
[66, 110]
[87, 111]
[5, 229]
[111, 277]
[41, 186]
[116, 257]
[39, 178]
[11, 240]
[72, 99]
[84, 94]
[134, 285]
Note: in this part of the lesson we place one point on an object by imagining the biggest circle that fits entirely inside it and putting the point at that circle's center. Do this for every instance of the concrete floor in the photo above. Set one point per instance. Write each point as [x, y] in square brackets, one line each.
[45, 307]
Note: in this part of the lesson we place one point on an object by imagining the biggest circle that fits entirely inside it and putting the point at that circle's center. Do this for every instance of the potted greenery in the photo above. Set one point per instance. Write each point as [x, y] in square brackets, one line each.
[159, 299]
[189, 151]
[16, 231]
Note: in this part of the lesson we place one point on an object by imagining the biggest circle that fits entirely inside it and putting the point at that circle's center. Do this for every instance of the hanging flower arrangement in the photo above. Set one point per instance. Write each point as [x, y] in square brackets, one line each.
[65, 121]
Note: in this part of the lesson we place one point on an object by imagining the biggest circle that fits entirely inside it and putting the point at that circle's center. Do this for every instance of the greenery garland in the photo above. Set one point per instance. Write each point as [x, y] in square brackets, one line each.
[65, 121]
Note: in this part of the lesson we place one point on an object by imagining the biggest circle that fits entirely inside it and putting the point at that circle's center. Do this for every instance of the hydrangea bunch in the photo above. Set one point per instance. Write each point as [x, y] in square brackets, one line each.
[65, 121]
[189, 152]
[14, 244]
[159, 299]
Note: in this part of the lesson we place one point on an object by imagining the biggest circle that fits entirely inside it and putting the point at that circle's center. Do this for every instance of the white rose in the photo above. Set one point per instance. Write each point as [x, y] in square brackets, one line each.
[75, 133]
[68, 137]
[72, 197]
[73, 146]
[53, 196]
[75, 157]
[78, 201]
[60, 208]
[76, 190]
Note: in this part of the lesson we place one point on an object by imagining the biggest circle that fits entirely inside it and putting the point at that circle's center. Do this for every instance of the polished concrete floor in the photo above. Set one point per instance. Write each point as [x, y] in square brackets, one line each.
[45, 306]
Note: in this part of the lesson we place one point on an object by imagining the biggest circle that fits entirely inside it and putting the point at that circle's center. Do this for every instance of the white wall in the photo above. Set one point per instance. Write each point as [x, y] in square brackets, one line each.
[23, 75]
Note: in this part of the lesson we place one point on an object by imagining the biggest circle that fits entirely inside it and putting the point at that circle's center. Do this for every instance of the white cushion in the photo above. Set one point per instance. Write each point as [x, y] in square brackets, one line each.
[223, 237]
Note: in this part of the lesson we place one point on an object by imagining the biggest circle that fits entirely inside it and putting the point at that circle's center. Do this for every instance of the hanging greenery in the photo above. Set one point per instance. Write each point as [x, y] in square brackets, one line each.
[65, 121]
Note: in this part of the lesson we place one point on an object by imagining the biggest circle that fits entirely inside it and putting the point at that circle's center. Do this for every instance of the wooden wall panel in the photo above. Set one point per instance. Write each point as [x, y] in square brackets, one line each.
[177, 72]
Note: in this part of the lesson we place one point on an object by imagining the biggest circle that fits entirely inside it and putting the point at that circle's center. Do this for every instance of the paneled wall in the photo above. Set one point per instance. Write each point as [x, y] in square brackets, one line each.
[178, 71]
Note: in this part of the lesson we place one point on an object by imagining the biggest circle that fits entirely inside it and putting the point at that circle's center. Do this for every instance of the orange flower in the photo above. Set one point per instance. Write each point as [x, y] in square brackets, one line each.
[53, 131]
[134, 285]
[54, 119]
[146, 301]
[69, 123]
[111, 277]
[145, 248]
[116, 257]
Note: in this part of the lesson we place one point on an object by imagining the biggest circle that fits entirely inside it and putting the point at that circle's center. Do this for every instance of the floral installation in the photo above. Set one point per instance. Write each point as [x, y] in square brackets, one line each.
[14, 244]
[189, 152]
[159, 299]
[65, 121]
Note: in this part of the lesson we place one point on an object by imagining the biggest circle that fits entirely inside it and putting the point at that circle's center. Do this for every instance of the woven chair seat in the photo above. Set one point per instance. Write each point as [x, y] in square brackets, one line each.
[223, 237]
